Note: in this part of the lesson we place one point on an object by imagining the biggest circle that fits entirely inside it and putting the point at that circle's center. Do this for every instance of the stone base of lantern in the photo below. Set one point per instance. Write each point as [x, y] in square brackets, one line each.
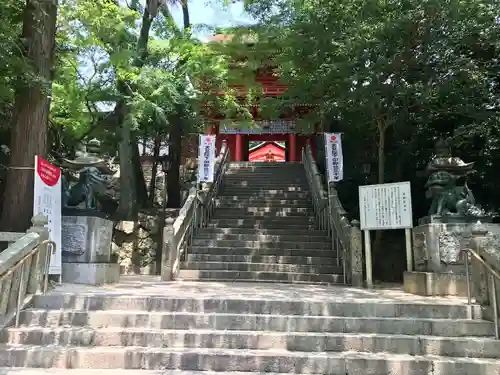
[435, 284]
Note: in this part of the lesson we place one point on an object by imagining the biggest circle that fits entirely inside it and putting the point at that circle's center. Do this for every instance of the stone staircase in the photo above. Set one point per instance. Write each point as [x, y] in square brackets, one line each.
[145, 326]
[263, 230]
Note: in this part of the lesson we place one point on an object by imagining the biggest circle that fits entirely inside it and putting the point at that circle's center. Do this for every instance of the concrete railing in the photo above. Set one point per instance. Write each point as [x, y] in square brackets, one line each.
[331, 216]
[483, 271]
[194, 214]
[24, 268]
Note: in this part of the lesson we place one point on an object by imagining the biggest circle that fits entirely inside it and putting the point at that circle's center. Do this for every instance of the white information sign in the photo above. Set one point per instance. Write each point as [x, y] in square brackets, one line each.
[47, 202]
[334, 156]
[206, 158]
[385, 206]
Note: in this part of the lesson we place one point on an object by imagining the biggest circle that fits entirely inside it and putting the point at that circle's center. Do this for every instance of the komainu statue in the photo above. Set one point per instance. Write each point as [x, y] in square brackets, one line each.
[91, 181]
[448, 197]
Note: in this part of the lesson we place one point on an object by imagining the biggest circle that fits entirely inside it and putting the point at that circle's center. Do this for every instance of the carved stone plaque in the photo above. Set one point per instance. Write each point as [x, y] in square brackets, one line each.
[450, 245]
[104, 234]
[420, 250]
[74, 238]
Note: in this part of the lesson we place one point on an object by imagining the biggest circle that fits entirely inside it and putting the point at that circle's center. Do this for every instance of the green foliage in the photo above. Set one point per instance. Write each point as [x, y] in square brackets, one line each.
[14, 69]
[99, 48]
[402, 73]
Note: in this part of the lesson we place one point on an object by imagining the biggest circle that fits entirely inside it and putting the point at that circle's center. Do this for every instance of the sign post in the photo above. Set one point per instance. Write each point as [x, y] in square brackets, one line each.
[382, 207]
[206, 158]
[47, 202]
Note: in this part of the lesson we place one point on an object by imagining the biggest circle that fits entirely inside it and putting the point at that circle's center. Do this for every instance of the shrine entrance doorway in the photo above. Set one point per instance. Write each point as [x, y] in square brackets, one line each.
[267, 151]
[280, 131]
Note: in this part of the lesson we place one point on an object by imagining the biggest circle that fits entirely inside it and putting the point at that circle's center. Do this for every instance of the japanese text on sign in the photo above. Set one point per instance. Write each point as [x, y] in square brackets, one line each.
[385, 206]
[206, 158]
[334, 156]
[47, 202]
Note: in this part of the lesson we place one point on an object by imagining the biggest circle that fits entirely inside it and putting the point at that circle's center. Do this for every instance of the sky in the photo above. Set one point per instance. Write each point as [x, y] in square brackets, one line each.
[212, 13]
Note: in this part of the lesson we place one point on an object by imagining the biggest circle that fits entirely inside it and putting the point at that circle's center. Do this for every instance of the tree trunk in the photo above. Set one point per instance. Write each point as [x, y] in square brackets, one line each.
[174, 152]
[127, 206]
[381, 154]
[142, 191]
[377, 244]
[175, 141]
[185, 15]
[30, 114]
[154, 169]
[129, 183]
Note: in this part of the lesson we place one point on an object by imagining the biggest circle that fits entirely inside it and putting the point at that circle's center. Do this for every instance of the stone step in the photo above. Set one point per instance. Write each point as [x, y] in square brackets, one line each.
[264, 190]
[267, 303]
[262, 245]
[263, 237]
[260, 276]
[265, 210]
[476, 347]
[272, 172]
[269, 185]
[60, 371]
[277, 259]
[275, 174]
[256, 201]
[272, 232]
[255, 322]
[327, 268]
[264, 206]
[241, 213]
[284, 221]
[245, 194]
[260, 224]
[248, 251]
[278, 360]
[293, 178]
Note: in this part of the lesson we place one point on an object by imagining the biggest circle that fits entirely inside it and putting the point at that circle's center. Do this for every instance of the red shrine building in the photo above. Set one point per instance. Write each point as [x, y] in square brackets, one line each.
[280, 129]
[267, 152]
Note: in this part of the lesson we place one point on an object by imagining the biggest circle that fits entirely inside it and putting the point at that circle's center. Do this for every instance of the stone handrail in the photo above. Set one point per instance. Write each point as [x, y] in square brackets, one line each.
[194, 214]
[485, 244]
[331, 216]
[24, 268]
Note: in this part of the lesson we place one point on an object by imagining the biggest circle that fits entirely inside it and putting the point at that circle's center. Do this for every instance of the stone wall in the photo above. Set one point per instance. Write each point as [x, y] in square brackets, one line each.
[486, 243]
[137, 245]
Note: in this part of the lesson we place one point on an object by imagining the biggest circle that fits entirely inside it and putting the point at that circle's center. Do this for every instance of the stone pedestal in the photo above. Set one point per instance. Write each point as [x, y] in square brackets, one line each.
[439, 266]
[86, 250]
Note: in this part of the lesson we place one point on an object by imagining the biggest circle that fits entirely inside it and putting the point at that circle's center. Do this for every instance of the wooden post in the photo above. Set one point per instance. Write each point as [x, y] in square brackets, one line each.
[239, 148]
[409, 250]
[292, 150]
[168, 251]
[368, 259]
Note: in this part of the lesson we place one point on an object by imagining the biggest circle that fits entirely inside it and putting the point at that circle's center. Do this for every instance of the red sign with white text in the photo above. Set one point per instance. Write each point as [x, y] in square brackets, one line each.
[47, 202]
[48, 172]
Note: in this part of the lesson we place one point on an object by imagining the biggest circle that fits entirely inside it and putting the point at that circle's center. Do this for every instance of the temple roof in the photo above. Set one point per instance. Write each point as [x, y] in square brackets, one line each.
[265, 143]
[245, 38]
